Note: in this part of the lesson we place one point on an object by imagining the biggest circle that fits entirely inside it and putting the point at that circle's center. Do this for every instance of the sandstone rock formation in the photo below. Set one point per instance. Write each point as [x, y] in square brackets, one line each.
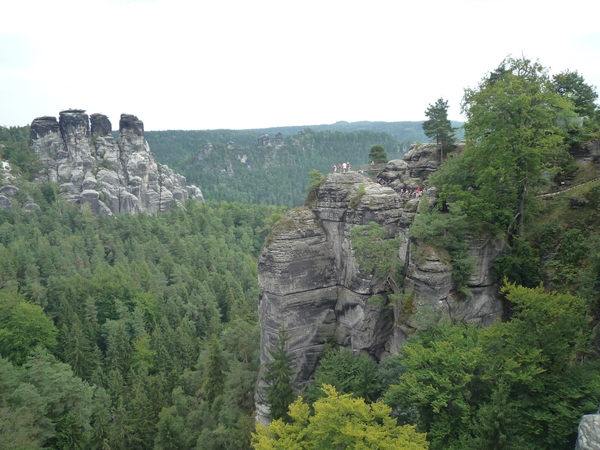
[588, 434]
[112, 176]
[312, 285]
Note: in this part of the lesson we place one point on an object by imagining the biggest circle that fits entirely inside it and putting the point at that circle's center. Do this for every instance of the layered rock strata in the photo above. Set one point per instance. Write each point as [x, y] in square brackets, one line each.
[311, 283]
[112, 176]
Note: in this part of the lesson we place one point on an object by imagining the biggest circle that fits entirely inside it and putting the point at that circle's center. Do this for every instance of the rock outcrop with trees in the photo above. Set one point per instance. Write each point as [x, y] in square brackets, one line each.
[80, 156]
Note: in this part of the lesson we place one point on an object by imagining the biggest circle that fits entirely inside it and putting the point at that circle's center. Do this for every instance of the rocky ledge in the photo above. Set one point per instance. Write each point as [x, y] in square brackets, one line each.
[112, 175]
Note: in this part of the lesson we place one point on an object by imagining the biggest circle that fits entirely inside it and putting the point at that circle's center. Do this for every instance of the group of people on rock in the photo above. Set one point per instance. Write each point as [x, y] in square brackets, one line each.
[342, 167]
[412, 193]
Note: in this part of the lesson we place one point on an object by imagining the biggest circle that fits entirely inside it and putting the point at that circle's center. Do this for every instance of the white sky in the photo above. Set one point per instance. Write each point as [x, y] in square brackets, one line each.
[207, 64]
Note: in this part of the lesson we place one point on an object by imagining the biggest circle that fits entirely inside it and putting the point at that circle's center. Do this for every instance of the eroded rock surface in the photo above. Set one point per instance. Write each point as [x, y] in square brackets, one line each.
[312, 285]
[588, 434]
[112, 176]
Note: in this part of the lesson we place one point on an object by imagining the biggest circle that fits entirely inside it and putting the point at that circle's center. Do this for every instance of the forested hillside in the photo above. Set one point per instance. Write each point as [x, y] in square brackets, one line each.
[131, 331]
[233, 166]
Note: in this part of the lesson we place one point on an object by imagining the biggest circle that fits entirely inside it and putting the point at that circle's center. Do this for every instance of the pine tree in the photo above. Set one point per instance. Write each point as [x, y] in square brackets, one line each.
[438, 126]
[280, 394]
[378, 154]
[78, 352]
[214, 383]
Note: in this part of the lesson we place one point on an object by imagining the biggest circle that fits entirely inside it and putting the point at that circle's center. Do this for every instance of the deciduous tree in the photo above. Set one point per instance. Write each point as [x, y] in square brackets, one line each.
[514, 138]
[339, 421]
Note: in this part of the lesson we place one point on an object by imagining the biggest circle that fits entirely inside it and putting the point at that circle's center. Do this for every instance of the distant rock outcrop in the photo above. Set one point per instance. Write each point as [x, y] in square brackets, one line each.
[311, 283]
[112, 176]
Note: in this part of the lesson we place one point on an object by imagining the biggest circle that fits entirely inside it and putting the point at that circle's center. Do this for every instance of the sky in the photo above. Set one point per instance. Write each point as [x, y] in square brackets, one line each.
[240, 64]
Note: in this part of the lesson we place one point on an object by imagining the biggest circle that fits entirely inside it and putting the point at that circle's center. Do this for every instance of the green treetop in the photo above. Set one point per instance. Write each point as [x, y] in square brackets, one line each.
[339, 421]
[279, 373]
[214, 383]
[519, 384]
[438, 127]
[573, 86]
[378, 154]
[515, 136]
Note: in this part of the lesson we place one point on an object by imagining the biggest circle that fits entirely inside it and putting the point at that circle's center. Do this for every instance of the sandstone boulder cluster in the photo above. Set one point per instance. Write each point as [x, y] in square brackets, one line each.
[112, 175]
[311, 283]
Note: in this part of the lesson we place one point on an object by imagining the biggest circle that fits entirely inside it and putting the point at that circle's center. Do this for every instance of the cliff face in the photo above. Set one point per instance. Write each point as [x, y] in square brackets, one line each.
[112, 176]
[312, 284]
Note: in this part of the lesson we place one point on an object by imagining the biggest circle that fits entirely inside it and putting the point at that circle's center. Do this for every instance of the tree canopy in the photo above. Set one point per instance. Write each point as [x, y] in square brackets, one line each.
[438, 127]
[514, 141]
[378, 154]
[339, 421]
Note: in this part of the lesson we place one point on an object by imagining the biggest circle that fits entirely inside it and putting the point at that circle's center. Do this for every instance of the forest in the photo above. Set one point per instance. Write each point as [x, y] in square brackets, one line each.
[231, 166]
[129, 332]
[141, 332]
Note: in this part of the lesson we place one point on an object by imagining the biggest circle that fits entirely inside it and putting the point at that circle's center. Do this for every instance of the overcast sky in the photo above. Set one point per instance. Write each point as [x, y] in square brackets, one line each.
[198, 64]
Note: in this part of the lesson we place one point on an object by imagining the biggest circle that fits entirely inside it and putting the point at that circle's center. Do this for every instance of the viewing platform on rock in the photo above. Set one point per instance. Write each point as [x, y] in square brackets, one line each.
[368, 170]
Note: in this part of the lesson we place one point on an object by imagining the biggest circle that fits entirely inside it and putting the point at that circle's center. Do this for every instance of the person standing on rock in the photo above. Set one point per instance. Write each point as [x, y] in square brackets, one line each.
[344, 167]
[334, 168]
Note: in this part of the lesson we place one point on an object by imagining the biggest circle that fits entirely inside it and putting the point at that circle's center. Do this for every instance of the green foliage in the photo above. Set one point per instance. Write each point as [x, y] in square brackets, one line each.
[519, 384]
[135, 300]
[14, 148]
[314, 182]
[572, 85]
[438, 127]
[59, 401]
[447, 231]
[378, 154]
[378, 254]
[214, 383]
[339, 421]
[506, 155]
[355, 201]
[521, 266]
[23, 327]
[440, 378]
[280, 392]
[347, 374]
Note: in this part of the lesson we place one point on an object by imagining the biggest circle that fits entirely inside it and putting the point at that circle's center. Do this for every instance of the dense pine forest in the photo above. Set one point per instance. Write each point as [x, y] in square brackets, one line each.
[141, 332]
[129, 332]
